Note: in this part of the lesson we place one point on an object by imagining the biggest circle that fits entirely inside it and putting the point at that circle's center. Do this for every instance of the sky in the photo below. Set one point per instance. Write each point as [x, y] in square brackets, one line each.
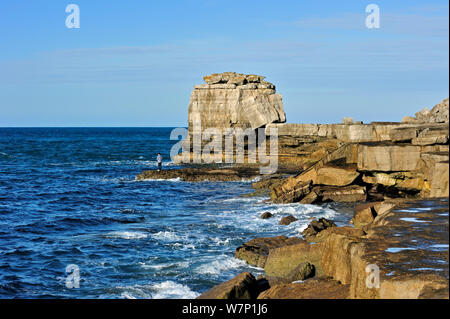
[135, 62]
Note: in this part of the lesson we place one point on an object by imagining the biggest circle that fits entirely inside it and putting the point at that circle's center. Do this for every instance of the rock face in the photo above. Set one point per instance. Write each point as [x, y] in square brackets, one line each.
[235, 100]
[303, 271]
[316, 288]
[412, 264]
[255, 251]
[243, 286]
[315, 227]
[284, 261]
[438, 114]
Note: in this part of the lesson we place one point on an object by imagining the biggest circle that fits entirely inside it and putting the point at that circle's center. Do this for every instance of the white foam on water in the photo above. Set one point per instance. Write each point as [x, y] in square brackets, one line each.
[162, 266]
[413, 220]
[164, 290]
[126, 235]
[425, 269]
[172, 290]
[219, 265]
[439, 246]
[178, 179]
[166, 236]
[397, 249]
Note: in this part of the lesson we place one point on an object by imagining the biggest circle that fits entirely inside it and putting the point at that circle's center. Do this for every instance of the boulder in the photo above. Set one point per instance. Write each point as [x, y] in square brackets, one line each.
[255, 251]
[336, 176]
[438, 114]
[287, 220]
[347, 194]
[286, 193]
[243, 286]
[303, 271]
[364, 214]
[282, 262]
[315, 227]
[311, 198]
[266, 215]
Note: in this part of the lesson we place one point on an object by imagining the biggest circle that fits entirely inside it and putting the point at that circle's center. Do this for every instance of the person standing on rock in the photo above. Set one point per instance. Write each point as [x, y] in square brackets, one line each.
[159, 159]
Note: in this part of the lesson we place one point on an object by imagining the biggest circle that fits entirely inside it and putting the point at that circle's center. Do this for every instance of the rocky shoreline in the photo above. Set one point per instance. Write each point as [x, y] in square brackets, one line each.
[395, 174]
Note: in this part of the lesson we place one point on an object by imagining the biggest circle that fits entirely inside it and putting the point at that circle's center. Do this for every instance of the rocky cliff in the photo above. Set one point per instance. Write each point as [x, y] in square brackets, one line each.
[232, 99]
[438, 114]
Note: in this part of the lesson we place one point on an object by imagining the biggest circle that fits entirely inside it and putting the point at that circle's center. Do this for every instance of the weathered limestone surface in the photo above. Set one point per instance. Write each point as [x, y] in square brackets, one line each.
[255, 251]
[438, 114]
[231, 100]
[388, 158]
[413, 264]
[243, 286]
[316, 288]
[282, 261]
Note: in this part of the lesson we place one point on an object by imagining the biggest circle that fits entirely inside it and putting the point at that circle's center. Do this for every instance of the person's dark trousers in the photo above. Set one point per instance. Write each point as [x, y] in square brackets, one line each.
[159, 166]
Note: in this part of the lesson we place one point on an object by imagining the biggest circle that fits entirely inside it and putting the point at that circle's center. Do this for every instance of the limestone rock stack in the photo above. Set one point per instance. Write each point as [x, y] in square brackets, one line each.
[232, 99]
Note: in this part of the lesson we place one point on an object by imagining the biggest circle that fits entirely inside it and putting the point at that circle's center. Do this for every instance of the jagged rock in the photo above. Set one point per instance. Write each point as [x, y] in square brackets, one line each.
[311, 198]
[438, 114]
[315, 288]
[287, 220]
[438, 134]
[255, 251]
[292, 195]
[364, 214]
[243, 286]
[404, 181]
[315, 227]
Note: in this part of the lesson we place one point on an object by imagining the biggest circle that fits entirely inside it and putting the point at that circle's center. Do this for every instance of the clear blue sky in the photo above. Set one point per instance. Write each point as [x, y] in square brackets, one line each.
[134, 63]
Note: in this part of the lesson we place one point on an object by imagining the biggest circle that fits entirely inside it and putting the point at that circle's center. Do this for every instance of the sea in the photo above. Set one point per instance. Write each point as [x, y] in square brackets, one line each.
[75, 223]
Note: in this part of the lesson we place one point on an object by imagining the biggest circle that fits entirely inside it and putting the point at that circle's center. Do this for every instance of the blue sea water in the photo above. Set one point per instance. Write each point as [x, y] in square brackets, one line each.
[68, 196]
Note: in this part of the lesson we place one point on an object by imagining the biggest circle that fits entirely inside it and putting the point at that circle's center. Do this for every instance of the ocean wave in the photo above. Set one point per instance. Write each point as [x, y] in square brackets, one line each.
[178, 179]
[220, 265]
[126, 235]
[171, 289]
[164, 290]
[166, 236]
